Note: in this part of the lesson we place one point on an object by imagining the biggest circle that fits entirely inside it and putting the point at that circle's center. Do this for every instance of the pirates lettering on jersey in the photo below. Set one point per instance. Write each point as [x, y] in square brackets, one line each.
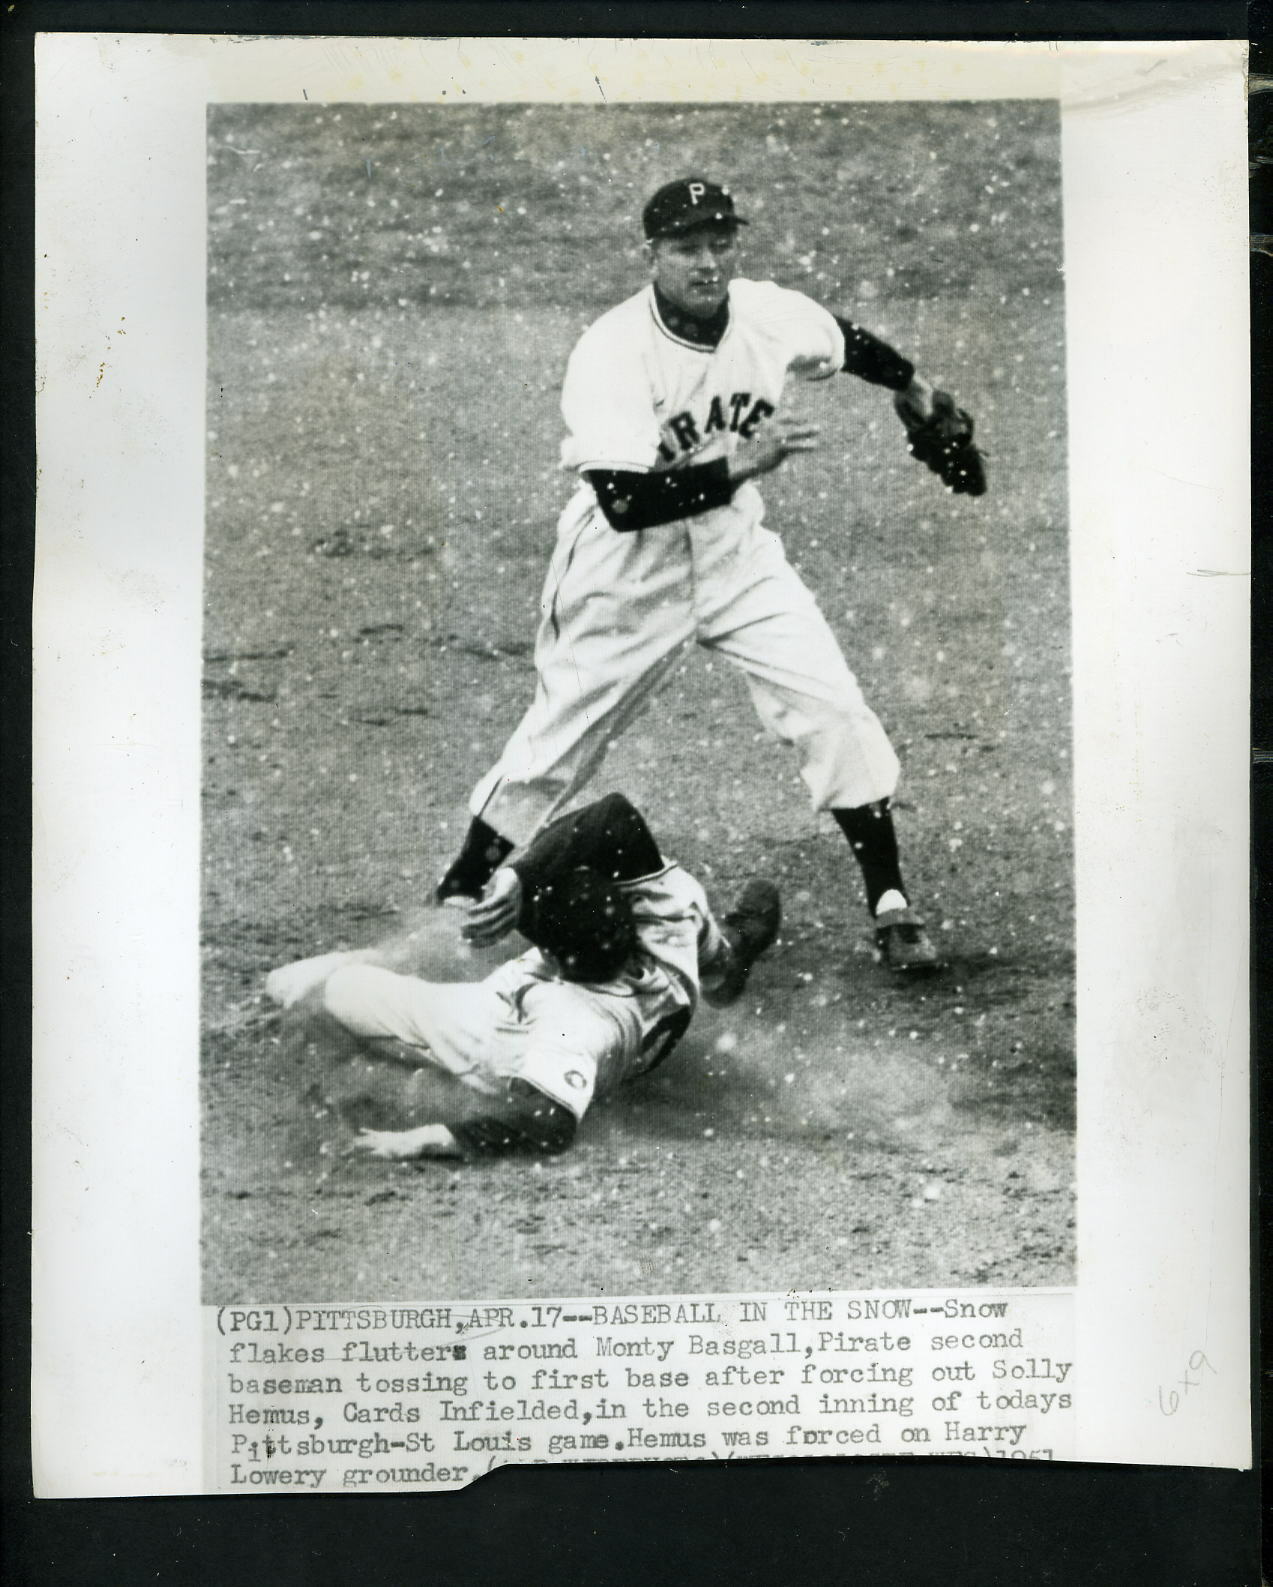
[683, 430]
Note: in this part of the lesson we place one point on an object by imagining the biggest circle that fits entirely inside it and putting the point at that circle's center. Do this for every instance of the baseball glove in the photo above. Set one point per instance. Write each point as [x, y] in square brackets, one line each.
[943, 442]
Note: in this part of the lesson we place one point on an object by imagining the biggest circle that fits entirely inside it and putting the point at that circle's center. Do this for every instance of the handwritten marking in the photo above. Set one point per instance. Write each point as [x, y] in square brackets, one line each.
[1197, 1361]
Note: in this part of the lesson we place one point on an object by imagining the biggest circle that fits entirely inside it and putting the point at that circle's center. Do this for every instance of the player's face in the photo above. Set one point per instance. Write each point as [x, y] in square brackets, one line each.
[694, 271]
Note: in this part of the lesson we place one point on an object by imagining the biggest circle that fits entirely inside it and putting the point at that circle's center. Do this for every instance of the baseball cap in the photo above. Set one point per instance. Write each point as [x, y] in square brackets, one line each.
[681, 206]
[583, 919]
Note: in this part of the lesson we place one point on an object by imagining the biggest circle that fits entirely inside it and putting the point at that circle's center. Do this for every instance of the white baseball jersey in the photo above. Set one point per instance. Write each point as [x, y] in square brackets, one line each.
[569, 1040]
[619, 607]
[637, 396]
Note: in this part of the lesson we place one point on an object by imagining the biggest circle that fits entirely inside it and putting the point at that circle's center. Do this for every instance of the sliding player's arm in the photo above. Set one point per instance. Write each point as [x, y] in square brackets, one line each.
[523, 1119]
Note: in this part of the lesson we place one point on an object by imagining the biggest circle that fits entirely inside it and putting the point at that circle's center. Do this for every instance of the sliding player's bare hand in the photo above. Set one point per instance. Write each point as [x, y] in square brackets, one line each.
[497, 912]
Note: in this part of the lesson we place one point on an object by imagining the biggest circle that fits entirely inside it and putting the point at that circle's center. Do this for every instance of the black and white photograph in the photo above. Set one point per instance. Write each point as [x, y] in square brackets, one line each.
[637, 802]
[641, 756]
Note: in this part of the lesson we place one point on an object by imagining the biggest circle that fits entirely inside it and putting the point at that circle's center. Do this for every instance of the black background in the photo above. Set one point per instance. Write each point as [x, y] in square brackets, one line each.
[890, 1522]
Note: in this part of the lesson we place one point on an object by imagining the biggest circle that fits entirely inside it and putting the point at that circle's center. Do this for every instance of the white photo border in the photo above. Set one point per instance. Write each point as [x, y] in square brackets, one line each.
[1153, 139]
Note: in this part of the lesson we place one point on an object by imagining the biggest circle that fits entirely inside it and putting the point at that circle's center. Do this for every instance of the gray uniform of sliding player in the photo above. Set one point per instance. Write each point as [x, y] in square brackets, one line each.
[625, 944]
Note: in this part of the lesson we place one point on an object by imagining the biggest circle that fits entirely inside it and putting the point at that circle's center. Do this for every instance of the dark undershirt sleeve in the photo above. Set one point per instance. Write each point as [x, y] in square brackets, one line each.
[872, 360]
[523, 1120]
[609, 835]
[644, 501]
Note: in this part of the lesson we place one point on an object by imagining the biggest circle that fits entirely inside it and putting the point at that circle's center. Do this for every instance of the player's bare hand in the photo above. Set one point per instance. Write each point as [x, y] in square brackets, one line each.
[771, 445]
[393, 1145]
[496, 912]
[400, 1146]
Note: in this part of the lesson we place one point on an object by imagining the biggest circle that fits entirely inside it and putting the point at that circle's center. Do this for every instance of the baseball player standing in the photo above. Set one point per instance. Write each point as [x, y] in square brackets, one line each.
[672, 404]
[624, 944]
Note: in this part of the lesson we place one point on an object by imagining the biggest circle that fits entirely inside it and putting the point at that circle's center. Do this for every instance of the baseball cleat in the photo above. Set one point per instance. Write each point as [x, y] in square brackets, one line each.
[480, 856]
[749, 928]
[458, 887]
[903, 943]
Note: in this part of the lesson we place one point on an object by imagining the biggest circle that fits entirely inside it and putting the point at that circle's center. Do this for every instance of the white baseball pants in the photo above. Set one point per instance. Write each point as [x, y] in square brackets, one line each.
[617, 611]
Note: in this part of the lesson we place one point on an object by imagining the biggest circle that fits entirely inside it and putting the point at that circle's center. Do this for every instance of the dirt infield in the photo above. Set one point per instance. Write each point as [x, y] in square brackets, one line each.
[392, 295]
